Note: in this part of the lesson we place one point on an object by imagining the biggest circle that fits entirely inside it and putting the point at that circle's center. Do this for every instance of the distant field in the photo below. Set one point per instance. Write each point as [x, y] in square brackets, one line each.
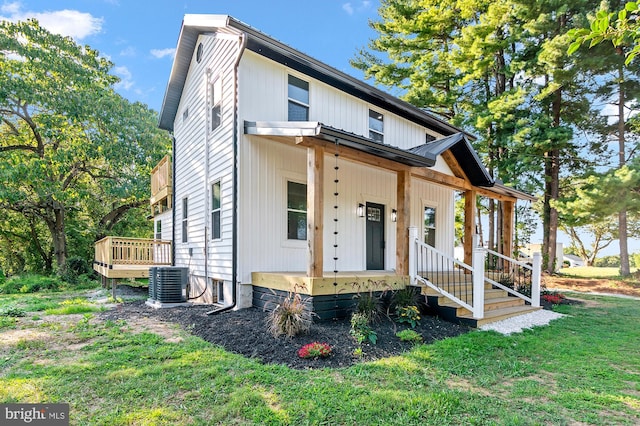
[592, 272]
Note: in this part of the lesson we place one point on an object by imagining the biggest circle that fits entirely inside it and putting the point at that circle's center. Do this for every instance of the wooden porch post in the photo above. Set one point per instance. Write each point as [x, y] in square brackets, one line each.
[403, 197]
[507, 228]
[469, 224]
[315, 207]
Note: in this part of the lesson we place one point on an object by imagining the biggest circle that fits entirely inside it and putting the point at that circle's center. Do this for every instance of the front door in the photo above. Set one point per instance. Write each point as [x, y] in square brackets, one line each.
[375, 236]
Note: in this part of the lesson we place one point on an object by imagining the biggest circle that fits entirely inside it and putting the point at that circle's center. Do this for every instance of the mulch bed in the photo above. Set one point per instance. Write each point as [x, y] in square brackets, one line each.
[244, 332]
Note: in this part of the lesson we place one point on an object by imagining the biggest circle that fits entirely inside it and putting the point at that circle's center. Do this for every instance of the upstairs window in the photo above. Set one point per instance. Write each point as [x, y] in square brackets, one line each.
[430, 226]
[185, 220]
[215, 211]
[215, 99]
[376, 126]
[298, 94]
[296, 211]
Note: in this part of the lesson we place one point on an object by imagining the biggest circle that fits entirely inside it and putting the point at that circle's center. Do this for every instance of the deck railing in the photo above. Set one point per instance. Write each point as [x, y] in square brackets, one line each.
[520, 279]
[132, 251]
[161, 176]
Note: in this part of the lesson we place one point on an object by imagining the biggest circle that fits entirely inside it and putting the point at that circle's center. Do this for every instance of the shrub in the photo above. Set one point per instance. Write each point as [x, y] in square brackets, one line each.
[409, 335]
[289, 317]
[12, 311]
[315, 350]
[360, 329]
[553, 298]
[407, 296]
[76, 270]
[370, 306]
[30, 284]
[408, 315]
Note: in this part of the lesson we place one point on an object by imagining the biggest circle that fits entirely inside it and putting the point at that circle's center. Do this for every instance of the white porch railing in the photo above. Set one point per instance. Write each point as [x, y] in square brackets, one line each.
[457, 281]
[515, 277]
[465, 284]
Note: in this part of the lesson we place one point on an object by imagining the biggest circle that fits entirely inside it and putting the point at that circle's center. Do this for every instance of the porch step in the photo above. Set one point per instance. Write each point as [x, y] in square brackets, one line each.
[497, 315]
[498, 305]
[489, 293]
[491, 304]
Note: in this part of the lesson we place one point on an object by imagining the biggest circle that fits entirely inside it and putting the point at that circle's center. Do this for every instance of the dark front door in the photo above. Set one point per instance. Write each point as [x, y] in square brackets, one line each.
[375, 236]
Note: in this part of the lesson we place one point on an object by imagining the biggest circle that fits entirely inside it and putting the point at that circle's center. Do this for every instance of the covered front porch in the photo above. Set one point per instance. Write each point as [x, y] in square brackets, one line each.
[458, 170]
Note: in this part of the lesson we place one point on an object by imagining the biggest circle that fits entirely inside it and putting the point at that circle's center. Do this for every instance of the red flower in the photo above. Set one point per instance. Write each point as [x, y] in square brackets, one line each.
[315, 350]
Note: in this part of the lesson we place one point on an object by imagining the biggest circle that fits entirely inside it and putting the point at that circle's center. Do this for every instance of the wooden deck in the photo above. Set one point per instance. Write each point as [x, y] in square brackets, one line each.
[119, 257]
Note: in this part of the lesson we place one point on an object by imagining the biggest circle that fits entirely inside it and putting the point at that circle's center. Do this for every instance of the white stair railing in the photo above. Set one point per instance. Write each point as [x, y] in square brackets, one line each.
[516, 277]
[455, 280]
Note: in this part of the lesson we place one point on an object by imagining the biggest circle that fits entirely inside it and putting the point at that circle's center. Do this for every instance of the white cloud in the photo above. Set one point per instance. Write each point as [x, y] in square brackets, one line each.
[363, 6]
[10, 8]
[128, 51]
[161, 53]
[348, 8]
[126, 78]
[73, 23]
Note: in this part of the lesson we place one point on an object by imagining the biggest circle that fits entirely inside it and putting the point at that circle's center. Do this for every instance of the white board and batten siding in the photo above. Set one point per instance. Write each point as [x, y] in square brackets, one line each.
[195, 143]
[266, 166]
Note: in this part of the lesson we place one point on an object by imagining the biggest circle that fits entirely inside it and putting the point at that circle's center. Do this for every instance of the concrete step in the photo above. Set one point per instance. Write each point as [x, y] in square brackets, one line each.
[497, 315]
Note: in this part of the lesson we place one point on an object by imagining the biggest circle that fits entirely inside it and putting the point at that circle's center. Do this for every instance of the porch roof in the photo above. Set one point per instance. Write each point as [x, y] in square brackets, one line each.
[318, 130]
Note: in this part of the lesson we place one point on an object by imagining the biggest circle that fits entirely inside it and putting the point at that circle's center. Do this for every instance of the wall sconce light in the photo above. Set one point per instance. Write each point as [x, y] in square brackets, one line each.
[360, 211]
[394, 215]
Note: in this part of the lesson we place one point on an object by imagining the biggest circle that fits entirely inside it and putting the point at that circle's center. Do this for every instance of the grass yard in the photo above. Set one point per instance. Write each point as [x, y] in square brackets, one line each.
[581, 369]
[593, 272]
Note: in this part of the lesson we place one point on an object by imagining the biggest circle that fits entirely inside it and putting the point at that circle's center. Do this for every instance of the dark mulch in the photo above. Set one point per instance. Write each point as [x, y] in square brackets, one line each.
[244, 332]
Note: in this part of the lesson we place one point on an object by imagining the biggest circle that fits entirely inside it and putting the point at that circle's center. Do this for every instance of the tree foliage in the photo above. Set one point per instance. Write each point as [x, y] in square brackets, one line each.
[74, 155]
[499, 68]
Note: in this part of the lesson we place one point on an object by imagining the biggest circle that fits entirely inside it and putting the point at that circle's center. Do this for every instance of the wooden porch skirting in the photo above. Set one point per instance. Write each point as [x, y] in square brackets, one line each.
[320, 295]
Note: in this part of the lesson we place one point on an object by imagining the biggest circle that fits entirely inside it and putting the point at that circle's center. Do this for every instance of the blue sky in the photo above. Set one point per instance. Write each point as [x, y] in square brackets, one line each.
[139, 37]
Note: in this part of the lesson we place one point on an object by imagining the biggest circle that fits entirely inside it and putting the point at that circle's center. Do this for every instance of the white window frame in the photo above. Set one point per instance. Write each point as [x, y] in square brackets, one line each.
[298, 102]
[435, 223]
[215, 101]
[287, 210]
[373, 131]
[217, 210]
[185, 220]
[158, 230]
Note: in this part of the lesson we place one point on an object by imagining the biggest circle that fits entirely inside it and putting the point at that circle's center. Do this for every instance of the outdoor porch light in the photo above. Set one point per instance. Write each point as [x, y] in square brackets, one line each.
[394, 215]
[360, 211]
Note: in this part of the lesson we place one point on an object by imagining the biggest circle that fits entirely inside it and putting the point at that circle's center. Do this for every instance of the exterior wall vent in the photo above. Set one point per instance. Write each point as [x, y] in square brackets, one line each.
[168, 284]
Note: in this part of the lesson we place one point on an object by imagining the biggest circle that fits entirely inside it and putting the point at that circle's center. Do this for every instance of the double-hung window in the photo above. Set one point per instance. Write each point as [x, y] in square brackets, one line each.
[296, 211]
[185, 220]
[158, 230]
[215, 102]
[430, 226]
[298, 99]
[215, 211]
[376, 126]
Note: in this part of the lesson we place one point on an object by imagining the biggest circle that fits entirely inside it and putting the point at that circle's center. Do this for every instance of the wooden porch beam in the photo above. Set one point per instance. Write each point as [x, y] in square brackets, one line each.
[469, 225]
[315, 208]
[403, 197]
[424, 173]
[507, 227]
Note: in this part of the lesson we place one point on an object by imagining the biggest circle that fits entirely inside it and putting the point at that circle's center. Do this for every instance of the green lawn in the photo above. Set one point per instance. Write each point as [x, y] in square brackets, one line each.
[593, 272]
[581, 369]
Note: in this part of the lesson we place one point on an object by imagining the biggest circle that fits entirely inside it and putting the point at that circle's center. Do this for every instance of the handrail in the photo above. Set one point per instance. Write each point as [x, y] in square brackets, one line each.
[111, 251]
[432, 263]
[524, 278]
